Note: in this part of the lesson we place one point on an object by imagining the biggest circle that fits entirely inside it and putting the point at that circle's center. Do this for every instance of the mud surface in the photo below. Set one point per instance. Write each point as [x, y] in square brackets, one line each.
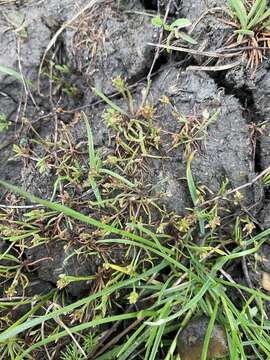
[97, 48]
[229, 111]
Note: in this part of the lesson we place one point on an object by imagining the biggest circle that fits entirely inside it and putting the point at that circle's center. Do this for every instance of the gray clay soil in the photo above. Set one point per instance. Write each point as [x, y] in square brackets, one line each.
[107, 41]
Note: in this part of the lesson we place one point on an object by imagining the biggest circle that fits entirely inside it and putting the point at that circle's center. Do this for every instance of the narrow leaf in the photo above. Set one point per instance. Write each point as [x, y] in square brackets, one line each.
[258, 16]
[187, 38]
[244, 32]
[157, 21]
[240, 10]
[108, 101]
[265, 16]
[190, 181]
[180, 23]
[91, 151]
[209, 332]
[9, 71]
[193, 194]
[259, 5]
[117, 176]
[92, 161]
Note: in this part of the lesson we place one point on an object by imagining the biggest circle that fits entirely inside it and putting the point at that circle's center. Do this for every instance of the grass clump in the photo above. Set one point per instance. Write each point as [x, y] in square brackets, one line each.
[202, 287]
[174, 267]
[252, 24]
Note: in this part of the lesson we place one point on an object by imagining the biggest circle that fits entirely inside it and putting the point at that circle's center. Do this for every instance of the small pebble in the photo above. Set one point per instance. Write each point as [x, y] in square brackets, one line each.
[265, 281]
[191, 338]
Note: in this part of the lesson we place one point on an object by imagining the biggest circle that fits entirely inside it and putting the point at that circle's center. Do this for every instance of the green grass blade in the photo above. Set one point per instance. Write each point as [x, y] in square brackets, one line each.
[117, 176]
[170, 260]
[9, 71]
[91, 150]
[135, 345]
[155, 336]
[69, 212]
[240, 10]
[9, 333]
[160, 331]
[95, 189]
[258, 7]
[190, 181]
[234, 344]
[143, 243]
[206, 286]
[81, 327]
[41, 302]
[130, 341]
[209, 332]
[265, 16]
[187, 38]
[258, 15]
[246, 289]
[109, 355]
[150, 341]
[180, 23]
[152, 235]
[244, 32]
[193, 194]
[109, 102]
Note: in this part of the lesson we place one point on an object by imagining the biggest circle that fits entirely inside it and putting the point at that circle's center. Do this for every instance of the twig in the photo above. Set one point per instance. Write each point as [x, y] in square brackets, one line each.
[118, 337]
[20, 206]
[200, 18]
[159, 42]
[229, 192]
[214, 68]
[242, 48]
[230, 279]
[196, 52]
[245, 271]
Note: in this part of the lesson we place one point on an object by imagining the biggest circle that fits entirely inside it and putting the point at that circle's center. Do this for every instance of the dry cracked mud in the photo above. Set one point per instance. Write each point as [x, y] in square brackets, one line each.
[229, 111]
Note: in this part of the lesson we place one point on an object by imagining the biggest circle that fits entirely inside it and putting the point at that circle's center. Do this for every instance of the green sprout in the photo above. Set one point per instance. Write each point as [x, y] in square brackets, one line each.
[4, 123]
[174, 29]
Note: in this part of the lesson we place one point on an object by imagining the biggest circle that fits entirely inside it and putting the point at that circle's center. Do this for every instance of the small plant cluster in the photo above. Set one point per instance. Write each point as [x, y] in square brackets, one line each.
[172, 268]
[168, 293]
[134, 131]
[193, 131]
[250, 23]
[252, 27]
[58, 74]
[174, 29]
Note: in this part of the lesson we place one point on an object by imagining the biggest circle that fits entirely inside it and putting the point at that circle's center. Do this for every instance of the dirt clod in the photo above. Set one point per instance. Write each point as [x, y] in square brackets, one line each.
[191, 338]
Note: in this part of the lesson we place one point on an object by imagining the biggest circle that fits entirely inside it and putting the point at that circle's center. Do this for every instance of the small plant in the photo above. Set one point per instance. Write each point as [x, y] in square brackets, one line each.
[252, 23]
[95, 168]
[11, 72]
[72, 352]
[174, 29]
[193, 130]
[156, 269]
[4, 123]
[59, 74]
[177, 294]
